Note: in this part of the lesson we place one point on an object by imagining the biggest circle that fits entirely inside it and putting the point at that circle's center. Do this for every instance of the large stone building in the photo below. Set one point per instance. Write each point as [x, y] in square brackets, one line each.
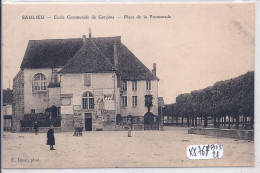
[93, 81]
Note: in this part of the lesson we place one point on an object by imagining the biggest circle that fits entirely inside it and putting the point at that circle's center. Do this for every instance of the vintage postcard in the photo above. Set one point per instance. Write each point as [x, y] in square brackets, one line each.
[128, 85]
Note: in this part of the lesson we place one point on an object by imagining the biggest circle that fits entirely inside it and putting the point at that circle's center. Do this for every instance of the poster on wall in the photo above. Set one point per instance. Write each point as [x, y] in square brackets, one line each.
[66, 109]
[109, 102]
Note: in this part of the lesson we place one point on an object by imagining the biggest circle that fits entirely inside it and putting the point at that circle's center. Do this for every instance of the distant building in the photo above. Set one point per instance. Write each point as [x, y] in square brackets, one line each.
[89, 80]
[7, 108]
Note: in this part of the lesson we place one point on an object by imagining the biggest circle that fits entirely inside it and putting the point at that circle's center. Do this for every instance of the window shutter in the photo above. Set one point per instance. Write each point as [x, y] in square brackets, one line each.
[87, 79]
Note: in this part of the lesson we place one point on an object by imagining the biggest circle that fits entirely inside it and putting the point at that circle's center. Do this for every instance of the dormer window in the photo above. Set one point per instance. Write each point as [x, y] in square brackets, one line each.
[39, 83]
[87, 79]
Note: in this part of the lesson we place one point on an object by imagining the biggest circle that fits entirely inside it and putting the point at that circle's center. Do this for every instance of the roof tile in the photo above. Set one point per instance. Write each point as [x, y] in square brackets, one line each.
[96, 56]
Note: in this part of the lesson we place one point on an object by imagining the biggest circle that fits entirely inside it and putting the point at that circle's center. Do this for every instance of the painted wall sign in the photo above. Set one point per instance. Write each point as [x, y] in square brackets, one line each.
[65, 101]
[66, 110]
[99, 103]
[109, 102]
[109, 97]
[205, 151]
[66, 95]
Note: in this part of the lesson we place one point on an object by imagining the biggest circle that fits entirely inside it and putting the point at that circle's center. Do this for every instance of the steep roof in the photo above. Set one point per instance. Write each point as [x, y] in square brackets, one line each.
[89, 59]
[50, 53]
[97, 55]
[7, 96]
[130, 67]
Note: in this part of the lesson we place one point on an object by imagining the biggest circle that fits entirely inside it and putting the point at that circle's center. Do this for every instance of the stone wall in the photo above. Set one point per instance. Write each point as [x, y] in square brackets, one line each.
[40, 129]
[18, 96]
[226, 133]
[67, 123]
[38, 100]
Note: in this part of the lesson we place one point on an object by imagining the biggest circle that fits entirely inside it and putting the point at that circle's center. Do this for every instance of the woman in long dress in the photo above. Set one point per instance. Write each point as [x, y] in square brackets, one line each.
[50, 138]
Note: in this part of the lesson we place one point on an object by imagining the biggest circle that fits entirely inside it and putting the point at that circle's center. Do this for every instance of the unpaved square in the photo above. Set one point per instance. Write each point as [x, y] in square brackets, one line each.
[165, 148]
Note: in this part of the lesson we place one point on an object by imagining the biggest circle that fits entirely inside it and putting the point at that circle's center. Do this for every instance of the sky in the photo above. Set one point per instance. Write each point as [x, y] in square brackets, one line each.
[199, 45]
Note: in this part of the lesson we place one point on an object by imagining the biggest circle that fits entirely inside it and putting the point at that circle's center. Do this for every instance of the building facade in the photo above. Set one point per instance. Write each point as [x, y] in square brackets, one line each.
[7, 109]
[91, 81]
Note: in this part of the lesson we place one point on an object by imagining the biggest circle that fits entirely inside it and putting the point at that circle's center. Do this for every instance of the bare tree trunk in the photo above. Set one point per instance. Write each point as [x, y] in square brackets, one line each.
[218, 122]
[229, 119]
[242, 122]
[182, 121]
[225, 116]
[176, 120]
[245, 122]
[196, 123]
[237, 121]
[215, 121]
[206, 121]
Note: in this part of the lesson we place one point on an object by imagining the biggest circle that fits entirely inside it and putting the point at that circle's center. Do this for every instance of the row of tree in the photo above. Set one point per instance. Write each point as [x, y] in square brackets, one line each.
[224, 100]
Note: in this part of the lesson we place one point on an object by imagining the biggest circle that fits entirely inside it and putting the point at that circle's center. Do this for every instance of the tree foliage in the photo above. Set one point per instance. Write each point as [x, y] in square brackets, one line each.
[231, 97]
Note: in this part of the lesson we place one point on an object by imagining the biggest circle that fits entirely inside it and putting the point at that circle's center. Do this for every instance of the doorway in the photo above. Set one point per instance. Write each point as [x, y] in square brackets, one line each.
[88, 121]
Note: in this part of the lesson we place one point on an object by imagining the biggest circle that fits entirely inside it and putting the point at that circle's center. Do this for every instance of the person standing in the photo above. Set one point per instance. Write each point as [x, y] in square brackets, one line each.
[76, 125]
[36, 128]
[50, 138]
[129, 124]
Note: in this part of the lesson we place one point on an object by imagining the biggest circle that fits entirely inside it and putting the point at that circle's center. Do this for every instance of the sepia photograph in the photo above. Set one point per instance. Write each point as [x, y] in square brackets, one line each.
[128, 85]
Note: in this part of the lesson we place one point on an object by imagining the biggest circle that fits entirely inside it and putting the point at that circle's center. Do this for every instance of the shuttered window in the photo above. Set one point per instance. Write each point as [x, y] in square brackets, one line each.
[134, 101]
[87, 79]
[124, 85]
[134, 85]
[124, 100]
[148, 85]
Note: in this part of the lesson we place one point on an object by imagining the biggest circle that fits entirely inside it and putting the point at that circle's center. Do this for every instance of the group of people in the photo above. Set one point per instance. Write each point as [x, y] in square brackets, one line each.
[78, 131]
[78, 128]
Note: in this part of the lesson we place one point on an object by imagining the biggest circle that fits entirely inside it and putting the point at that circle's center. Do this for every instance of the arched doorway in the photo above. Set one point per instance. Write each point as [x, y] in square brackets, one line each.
[151, 121]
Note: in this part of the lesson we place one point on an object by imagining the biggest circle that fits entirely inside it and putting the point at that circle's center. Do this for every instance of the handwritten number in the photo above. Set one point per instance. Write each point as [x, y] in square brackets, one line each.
[210, 150]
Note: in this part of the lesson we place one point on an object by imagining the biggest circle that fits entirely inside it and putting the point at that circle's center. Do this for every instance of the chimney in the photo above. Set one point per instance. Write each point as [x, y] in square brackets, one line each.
[89, 34]
[84, 39]
[115, 57]
[154, 69]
